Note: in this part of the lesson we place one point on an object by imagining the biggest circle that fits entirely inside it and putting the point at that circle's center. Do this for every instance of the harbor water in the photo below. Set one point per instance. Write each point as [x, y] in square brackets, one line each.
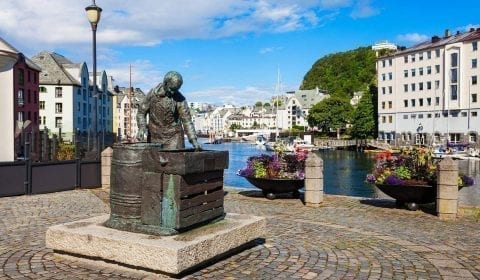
[344, 171]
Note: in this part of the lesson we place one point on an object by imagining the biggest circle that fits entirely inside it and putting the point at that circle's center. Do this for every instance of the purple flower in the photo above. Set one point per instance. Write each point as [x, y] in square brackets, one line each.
[371, 178]
[394, 180]
[467, 181]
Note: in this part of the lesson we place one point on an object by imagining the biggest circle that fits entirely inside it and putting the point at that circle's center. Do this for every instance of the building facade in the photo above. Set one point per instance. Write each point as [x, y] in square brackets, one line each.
[19, 111]
[428, 94]
[125, 113]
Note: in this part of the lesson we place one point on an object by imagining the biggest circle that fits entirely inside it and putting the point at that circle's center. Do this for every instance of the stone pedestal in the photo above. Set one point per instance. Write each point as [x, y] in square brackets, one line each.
[313, 180]
[174, 254]
[447, 189]
[106, 162]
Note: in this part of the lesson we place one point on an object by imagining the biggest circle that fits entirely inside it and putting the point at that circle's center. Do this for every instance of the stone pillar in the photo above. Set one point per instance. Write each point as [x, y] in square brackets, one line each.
[447, 189]
[106, 161]
[313, 180]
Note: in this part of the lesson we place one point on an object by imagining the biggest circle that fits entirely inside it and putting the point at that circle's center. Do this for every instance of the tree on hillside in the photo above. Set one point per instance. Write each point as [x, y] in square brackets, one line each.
[341, 74]
[330, 114]
[363, 119]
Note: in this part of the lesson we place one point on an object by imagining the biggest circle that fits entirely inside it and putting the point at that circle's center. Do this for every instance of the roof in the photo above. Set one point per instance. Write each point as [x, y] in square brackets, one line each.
[9, 49]
[54, 69]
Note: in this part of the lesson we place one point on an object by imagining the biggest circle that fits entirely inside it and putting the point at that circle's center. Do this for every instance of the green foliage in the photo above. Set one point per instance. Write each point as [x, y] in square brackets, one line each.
[258, 104]
[66, 151]
[363, 119]
[266, 105]
[330, 113]
[277, 103]
[403, 173]
[343, 73]
[235, 126]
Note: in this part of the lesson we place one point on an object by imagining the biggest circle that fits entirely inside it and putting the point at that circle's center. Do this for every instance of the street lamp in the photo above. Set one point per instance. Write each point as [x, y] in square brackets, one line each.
[93, 15]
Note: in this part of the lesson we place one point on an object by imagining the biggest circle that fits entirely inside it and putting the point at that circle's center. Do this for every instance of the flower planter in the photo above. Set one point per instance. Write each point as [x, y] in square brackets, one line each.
[410, 194]
[270, 187]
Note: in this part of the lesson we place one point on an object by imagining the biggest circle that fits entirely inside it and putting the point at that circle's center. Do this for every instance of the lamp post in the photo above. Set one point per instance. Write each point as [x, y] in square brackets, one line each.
[93, 15]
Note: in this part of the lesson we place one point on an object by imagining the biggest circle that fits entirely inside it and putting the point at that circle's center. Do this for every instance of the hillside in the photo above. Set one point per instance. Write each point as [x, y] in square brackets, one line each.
[343, 73]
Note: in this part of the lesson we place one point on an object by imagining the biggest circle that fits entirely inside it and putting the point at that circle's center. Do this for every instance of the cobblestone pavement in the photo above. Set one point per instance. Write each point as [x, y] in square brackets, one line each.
[345, 238]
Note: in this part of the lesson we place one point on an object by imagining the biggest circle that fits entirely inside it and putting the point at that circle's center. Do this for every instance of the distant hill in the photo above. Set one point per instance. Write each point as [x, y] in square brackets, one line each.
[343, 73]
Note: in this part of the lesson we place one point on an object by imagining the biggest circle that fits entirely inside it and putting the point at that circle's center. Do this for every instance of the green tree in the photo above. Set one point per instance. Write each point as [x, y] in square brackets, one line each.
[363, 119]
[258, 104]
[235, 126]
[331, 113]
[266, 104]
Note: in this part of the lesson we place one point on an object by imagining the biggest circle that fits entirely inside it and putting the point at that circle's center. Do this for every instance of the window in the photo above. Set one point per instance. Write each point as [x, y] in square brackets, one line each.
[41, 105]
[437, 84]
[390, 119]
[20, 97]
[58, 122]
[390, 89]
[464, 114]
[420, 86]
[412, 101]
[405, 88]
[383, 90]
[29, 96]
[420, 56]
[420, 116]
[420, 102]
[437, 52]
[35, 97]
[420, 71]
[453, 92]
[429, 85]
[405, 117]
[413, 72]
[383, 63]
[21, 77]
[58, 108]
[474, 80]
[429, 70]
[20, 116]
[437, 68]
[429, 54]
[405, 103]
[43, 89]
[383, 77]
[453, 75]
[44, 120]
[474, 114]
[390, 76]
[390, 62]
[390, 104]
[79, 106]
[429, 101]
[437, 115]
[384, 119]
[474, 98]
[58, 92]
[437, 101]
[474, 46]
[413, 57]
[454, 59]
[405, 59]
[405, 73]
[383, 105]
[429, 116]
[413, 86]
[474, 63]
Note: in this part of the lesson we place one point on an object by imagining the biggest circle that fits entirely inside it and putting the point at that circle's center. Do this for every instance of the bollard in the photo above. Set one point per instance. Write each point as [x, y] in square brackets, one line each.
[106, 162]
[313, 180]
[447, 189]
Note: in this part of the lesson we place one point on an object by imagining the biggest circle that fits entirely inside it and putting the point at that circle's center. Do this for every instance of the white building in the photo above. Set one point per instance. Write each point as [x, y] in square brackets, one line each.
[429, 93]
[125, 113]
[294, 109]
[66, 96]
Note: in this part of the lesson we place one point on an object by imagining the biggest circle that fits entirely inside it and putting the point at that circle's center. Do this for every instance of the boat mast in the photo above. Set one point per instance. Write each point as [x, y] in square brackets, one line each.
[277, 93]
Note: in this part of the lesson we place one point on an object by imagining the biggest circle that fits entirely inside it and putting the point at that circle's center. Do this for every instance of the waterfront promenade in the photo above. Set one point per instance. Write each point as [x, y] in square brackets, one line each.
[345, 238]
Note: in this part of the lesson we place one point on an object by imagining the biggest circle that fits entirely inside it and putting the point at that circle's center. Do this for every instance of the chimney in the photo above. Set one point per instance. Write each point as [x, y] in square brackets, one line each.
[447, 33]
[472, 29]
[435, 39]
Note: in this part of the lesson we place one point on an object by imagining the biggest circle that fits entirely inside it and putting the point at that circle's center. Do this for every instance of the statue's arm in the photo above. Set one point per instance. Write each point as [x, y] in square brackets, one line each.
[187, 123]
[143, 109]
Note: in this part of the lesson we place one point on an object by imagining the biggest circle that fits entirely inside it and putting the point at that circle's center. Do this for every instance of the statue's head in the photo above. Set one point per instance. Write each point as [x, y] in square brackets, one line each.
[172, 82]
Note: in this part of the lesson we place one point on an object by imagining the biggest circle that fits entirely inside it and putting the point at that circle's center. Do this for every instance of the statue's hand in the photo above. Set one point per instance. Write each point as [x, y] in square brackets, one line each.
[196, 146]
[142, 134]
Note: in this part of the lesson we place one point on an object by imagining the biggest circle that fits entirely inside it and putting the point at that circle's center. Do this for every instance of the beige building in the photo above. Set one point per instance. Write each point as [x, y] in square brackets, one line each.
[428, 94]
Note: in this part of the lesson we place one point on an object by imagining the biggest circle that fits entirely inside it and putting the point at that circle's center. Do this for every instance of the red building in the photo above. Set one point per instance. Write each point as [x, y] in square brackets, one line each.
[26, 105]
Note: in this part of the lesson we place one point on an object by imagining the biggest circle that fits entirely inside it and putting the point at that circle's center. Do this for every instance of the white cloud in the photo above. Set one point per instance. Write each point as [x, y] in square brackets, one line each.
[363, 9]
[230, 95]
[148, 22]
[269, 50]
[413, 38]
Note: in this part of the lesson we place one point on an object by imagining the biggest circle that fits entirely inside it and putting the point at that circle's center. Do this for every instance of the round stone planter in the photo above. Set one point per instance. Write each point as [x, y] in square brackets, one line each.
[270, 187]
[410, 195]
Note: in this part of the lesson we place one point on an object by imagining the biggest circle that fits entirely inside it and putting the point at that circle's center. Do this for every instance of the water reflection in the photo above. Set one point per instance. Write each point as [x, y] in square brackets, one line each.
[470, 195]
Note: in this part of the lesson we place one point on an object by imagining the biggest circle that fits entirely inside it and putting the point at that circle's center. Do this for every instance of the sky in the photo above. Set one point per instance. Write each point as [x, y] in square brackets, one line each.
[228, 51]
